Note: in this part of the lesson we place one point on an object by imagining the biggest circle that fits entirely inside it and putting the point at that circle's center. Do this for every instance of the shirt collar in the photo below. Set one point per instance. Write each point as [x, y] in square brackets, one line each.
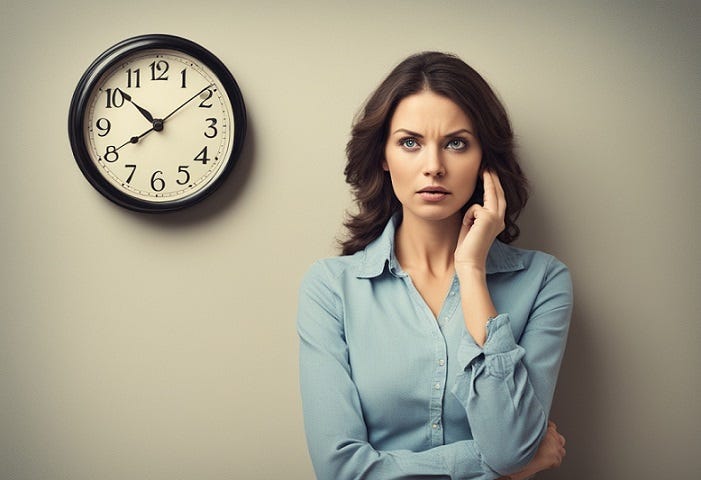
[380, 252]
[504, 258]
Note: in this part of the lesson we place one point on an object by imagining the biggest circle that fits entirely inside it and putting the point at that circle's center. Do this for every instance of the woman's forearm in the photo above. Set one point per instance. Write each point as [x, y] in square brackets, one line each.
[477, 305]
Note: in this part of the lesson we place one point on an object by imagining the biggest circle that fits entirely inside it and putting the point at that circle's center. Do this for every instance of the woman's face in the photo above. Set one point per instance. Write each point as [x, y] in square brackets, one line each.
[432, 155]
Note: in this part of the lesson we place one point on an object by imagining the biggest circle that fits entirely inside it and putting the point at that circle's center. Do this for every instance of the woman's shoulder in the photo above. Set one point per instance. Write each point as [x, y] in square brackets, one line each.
[536, 266]
[338, 265]
[329, 270]
[540, 270]
[325, 281]
[505, 256]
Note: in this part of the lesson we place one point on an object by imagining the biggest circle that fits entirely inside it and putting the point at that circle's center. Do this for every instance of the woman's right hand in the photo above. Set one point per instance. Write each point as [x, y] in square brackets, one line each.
[481, 224]
[549, 455]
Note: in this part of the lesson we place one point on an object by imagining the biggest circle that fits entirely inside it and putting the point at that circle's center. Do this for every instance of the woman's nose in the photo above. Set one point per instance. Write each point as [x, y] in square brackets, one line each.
[433, 167]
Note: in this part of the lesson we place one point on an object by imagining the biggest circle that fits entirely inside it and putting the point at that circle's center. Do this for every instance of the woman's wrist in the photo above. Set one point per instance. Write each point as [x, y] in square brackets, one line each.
[470, 272]
[477, 303]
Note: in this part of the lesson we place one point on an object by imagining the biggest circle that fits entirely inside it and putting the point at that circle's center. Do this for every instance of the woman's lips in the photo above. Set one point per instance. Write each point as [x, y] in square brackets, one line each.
[433, 194]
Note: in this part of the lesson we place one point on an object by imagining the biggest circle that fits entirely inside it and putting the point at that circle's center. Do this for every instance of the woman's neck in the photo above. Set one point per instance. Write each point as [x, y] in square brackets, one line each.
[427, 245]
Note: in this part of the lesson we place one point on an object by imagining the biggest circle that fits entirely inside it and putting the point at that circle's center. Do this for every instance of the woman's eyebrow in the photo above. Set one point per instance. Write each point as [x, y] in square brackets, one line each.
[408, 132]
[458, 132]
[418, 135]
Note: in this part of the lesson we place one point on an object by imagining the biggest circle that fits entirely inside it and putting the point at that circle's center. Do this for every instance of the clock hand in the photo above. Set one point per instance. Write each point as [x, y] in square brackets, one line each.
[143, 111]
[157, 122]
[187, 101]
[136, 139]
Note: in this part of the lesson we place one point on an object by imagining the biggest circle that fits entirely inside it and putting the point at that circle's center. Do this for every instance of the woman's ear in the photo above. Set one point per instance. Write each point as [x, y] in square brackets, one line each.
[385, 166]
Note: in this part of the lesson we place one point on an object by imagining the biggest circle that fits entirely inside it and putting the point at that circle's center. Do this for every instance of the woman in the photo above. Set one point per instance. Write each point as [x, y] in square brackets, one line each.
[431, 348]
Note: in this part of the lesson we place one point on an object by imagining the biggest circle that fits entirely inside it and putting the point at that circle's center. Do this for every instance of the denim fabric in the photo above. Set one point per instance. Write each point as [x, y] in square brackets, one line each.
[391, 391]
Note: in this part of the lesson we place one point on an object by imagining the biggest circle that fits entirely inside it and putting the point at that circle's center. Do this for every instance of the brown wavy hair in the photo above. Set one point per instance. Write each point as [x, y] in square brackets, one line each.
[446, 75]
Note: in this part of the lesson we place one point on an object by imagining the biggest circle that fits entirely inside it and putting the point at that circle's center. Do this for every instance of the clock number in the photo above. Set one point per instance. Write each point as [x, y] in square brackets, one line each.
[182, 74]
[211, 131]
[205, 105]
[202, 156]
[133, 169]
[157, 183]
[183, 169]
[137, 78]
[114, 100]
[111, 154]
[160, 67]
[103, 125]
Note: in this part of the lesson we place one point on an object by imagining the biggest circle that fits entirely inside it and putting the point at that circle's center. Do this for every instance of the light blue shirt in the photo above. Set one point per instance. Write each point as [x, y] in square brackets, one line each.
[389, 391]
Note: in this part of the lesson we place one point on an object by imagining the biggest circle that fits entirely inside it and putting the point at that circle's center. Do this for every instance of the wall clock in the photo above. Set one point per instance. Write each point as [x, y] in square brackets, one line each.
[156, 123]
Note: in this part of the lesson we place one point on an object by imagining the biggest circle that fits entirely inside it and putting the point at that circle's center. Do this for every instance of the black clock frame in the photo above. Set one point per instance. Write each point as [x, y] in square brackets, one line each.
[112, 57]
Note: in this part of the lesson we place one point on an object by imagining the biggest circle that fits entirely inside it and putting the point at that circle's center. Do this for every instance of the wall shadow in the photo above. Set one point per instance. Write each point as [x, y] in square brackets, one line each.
[579, 406]
[219, 202]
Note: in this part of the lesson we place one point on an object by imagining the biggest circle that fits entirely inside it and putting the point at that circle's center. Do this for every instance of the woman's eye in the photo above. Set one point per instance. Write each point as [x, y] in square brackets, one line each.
[457, 144]
[409, 143]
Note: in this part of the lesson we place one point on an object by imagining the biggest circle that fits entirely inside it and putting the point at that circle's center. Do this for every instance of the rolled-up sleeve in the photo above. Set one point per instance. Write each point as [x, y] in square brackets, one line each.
[507, 387]
[337, 436]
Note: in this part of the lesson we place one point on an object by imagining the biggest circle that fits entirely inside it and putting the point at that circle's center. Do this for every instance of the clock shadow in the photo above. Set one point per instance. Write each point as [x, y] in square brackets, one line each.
[216, 204]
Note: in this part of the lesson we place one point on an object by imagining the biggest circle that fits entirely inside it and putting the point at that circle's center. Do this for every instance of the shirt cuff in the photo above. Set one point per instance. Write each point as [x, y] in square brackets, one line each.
[500, 340]
[464, 463]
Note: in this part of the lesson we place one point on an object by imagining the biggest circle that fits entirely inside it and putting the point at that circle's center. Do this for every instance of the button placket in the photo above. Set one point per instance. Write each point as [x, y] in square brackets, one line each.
[440, 377]
[436, 325]
[437, 392]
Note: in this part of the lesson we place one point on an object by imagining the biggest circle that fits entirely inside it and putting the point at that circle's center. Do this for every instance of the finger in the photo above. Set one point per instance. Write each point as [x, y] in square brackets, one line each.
[563, 440]
[469, 218]
[501, 197]
[467, 221]
[463, 232]
[490, 193]
[552, 424]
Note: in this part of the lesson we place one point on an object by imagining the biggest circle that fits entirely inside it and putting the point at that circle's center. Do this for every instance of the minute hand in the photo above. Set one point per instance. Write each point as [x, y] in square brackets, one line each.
[187, 101]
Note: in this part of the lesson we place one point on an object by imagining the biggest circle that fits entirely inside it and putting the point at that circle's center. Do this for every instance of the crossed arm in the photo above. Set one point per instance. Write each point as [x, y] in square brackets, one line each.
[506, 389]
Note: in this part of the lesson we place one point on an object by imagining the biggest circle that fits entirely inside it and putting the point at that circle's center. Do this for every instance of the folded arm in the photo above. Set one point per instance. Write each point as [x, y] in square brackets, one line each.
[336, 432]
[507, 387]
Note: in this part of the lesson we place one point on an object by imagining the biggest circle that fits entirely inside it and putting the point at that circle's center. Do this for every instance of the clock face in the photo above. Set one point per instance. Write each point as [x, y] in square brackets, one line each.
[155, 128]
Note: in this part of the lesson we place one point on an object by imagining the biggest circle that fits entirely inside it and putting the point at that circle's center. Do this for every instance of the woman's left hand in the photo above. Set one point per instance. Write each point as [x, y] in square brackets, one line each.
[481, 225]
[550, 454]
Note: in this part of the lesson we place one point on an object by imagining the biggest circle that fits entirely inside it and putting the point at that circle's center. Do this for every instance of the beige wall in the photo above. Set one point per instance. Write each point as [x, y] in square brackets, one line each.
[163, 347]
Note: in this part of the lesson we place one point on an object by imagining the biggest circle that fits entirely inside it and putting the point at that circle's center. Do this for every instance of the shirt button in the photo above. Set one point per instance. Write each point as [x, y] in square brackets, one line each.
[434, 426]
[437, 386]
[441, 362]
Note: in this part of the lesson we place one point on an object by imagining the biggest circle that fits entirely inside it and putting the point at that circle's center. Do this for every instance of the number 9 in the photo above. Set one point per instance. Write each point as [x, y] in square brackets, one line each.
[100, 124]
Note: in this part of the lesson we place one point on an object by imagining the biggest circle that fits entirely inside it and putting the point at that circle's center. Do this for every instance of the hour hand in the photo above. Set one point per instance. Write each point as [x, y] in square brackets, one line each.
[143, 111]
